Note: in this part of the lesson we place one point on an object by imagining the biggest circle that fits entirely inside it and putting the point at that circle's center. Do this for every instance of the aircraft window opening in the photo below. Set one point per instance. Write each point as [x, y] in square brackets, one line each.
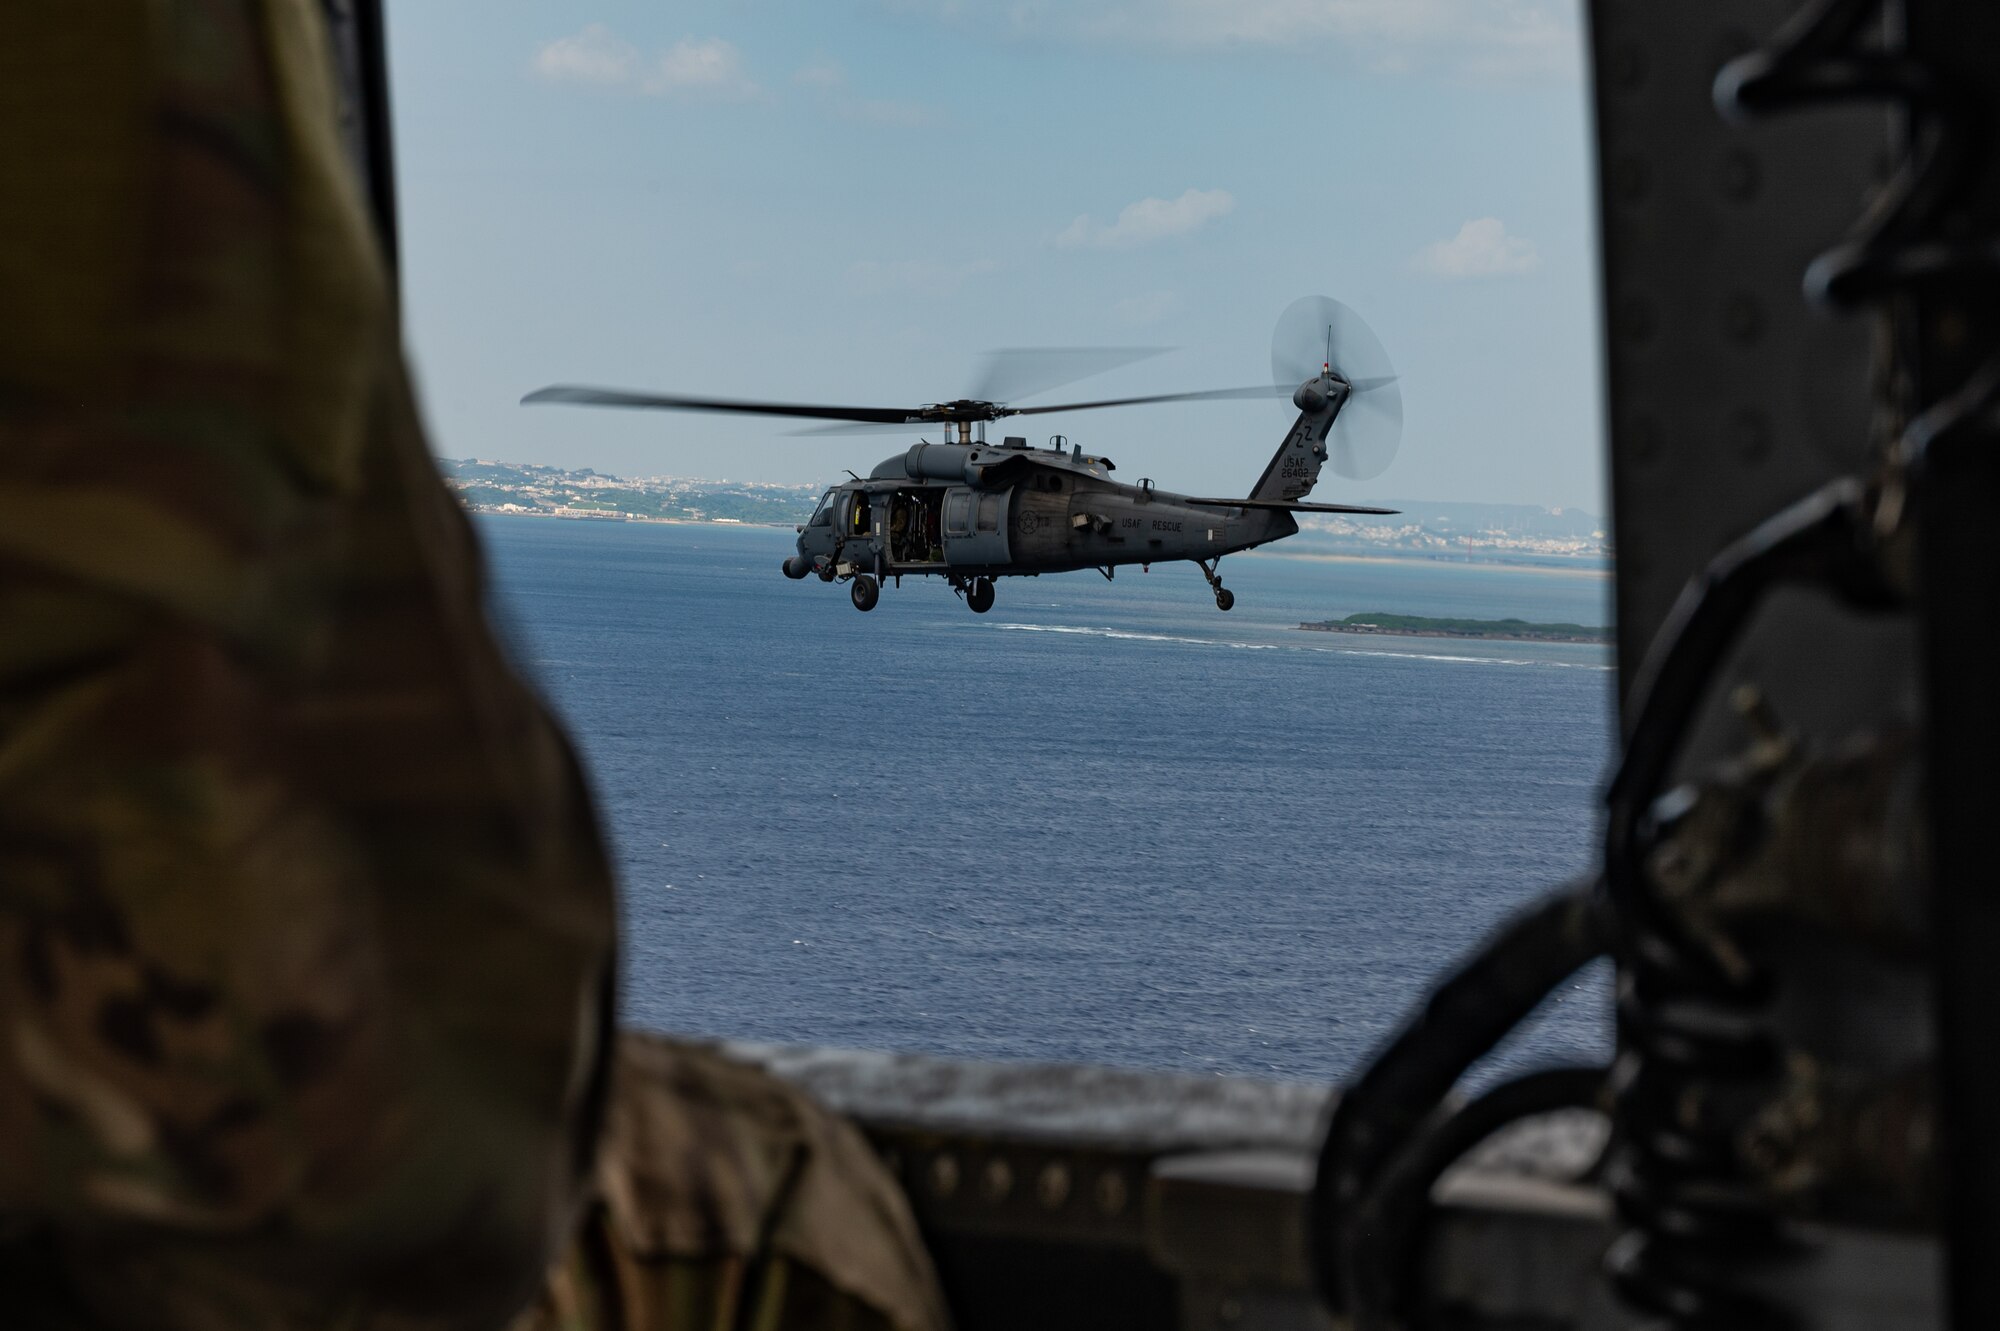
[925, 506]
[913, 527]
[921, 516]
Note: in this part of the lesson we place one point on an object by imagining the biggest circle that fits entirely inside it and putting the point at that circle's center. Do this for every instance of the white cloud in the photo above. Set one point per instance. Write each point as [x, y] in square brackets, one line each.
[596, 55]
[1139, 311]
[1149, 220]
[713, 68]
[599, 57]
[828, 77]
[1476, 38]
[1482, 248]
[822, 73]
[925, 277]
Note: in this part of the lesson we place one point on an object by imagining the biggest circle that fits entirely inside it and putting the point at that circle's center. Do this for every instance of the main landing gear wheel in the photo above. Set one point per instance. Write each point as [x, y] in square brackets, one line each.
[980, 595]
[865, 591]
[1224, 598]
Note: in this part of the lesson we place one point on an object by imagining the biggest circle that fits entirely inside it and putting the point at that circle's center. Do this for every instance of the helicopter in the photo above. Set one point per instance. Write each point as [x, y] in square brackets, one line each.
[971, 512]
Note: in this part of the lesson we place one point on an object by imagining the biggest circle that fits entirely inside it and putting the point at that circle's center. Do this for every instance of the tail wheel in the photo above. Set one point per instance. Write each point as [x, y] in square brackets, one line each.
[865, 591]
[1224, 598]
[980, 596]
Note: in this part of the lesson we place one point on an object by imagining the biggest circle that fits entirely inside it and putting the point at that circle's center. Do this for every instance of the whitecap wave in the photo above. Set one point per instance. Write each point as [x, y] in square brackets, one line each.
[1130, 635]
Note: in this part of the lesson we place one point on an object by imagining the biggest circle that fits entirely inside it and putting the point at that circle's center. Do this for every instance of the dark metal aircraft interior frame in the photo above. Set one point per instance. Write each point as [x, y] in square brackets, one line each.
[1799, 202]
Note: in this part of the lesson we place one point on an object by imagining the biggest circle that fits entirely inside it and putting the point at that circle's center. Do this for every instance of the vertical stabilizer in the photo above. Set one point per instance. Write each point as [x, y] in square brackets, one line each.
[1295, 469]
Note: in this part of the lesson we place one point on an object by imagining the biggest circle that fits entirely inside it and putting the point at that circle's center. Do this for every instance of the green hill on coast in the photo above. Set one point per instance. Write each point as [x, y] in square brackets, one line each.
[1420, 626]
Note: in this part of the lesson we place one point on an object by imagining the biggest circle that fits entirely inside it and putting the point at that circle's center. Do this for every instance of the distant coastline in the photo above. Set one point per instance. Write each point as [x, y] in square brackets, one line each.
[1505, 535]
[533, 490]
[1561, 566]
[636, 519]
[1496, 630]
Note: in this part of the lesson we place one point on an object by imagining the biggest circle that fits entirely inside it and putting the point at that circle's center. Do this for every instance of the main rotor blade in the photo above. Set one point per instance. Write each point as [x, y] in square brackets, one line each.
[870, 427]
[1012, 373]
[577, 395]
[1293, 506]
[1211, 395]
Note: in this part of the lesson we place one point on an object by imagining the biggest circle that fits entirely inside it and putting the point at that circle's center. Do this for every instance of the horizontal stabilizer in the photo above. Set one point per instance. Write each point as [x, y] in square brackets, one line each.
[1291, 506]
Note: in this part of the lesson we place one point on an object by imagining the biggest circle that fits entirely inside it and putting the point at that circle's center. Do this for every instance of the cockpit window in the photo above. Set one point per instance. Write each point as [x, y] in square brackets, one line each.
[824, 513]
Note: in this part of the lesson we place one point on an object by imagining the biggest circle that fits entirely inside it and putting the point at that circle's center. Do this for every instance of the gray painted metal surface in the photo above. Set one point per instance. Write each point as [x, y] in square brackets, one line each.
[1201, 1183]
[1729, 396]
[974, 512]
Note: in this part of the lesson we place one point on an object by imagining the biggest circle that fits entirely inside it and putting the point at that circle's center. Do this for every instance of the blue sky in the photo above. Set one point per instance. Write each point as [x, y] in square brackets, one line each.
[848, 200]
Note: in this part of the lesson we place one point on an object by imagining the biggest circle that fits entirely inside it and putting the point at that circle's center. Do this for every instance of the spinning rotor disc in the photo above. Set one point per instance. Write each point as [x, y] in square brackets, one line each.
[1317, 332]
[1018, 372]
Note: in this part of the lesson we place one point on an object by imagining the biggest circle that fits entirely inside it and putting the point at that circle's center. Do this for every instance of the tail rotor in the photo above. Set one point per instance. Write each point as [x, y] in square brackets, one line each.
[1318, 335]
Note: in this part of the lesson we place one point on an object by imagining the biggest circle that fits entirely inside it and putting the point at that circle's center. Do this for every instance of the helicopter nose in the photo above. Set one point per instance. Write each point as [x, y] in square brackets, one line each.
[797, 566]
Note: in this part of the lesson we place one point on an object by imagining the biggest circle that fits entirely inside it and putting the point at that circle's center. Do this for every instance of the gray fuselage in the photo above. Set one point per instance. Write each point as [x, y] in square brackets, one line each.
[995, 510]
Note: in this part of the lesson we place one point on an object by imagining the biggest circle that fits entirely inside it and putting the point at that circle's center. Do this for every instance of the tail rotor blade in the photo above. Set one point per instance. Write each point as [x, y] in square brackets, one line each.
[1362, 442]
[1317, 331]
[1300, 343]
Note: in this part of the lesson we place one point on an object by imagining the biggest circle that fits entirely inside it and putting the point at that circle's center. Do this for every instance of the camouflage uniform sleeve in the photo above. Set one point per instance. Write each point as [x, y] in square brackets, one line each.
[305, 927]
[730, 1200]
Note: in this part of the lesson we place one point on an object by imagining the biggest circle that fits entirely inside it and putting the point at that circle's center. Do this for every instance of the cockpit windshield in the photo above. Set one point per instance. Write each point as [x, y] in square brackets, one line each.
[824, 513]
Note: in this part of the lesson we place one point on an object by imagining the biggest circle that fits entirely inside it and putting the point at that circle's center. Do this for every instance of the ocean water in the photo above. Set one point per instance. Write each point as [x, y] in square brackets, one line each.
[1102, 822]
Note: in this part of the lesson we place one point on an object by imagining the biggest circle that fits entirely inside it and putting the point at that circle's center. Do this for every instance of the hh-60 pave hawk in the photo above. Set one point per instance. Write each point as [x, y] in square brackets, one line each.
[969, 511]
